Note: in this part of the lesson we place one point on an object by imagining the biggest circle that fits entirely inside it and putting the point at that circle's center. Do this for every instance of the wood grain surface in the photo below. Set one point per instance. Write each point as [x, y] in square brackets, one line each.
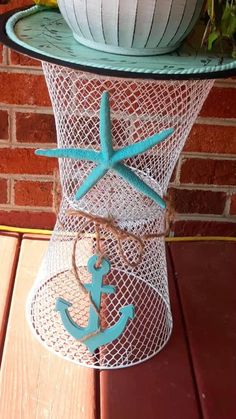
[161, 388]
[206, 277]
[35, 384]
[193, 377]
[9, 248]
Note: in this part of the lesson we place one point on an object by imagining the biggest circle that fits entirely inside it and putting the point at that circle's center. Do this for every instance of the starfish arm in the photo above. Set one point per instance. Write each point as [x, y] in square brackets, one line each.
[70, 153]
[142, 146]
[105, 127]
[95, 175]
[138, 183]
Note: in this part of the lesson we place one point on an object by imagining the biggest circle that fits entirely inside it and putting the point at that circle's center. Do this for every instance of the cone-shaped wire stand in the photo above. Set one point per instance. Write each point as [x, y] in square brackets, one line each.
[139, 109]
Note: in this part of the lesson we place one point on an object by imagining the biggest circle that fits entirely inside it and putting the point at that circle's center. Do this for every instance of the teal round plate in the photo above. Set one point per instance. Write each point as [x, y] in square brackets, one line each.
[42, 33]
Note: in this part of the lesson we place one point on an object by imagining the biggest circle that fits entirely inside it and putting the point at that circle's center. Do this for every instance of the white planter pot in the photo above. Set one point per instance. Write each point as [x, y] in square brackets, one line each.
[132, 27]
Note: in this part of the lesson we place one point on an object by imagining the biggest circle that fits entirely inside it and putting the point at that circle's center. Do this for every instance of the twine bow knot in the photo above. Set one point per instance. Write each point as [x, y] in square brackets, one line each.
[110, 225]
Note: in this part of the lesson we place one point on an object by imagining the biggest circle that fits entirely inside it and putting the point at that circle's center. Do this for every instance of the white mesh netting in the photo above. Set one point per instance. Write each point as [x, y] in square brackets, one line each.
[139, 108]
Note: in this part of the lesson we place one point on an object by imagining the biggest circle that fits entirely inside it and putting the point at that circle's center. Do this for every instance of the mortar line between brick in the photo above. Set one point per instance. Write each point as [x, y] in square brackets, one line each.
[207, 187]
[178, 171]
[226, 212]
[49, 110]
[225, 83]
[4, 56]
[207, 156]
[41, 178]
[179, 217]
[25, 208]
[21, 70]
[12, 191]
[184, 154]
[8, 191]
[225, 122]
[4, 143]
[17, 144]
[11, 126]
[27, 108]
[205, 217]
[192, 186]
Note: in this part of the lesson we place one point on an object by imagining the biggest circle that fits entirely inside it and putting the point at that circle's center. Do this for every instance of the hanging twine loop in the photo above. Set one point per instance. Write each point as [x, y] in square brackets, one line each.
[110, 225]
[121, 235]
[75, 272]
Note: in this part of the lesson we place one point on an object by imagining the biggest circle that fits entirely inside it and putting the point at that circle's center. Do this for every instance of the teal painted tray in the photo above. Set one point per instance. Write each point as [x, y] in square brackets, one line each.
[42, 33]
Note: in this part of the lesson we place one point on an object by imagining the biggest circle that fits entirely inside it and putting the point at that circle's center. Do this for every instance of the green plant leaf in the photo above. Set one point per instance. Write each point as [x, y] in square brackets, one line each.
[213, 36]
[228, 21]
[211, 9]
[222, 22]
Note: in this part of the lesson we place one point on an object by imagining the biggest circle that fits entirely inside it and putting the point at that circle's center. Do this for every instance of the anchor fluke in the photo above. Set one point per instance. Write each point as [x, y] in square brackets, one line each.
[76, 331]
[108, 335]
[62, 305]
[127, 311]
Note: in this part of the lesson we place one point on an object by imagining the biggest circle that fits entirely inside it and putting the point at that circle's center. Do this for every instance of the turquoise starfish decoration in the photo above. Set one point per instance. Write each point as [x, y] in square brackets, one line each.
[108, 158]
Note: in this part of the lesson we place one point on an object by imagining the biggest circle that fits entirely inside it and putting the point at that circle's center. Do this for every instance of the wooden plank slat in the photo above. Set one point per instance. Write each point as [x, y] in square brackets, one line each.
[35, 383]
[206, 276]
[161, 388]
[9, 249]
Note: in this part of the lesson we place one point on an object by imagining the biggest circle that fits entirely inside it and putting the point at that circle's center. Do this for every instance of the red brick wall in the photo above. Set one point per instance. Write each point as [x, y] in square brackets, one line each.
[26, 122]
[204, 184]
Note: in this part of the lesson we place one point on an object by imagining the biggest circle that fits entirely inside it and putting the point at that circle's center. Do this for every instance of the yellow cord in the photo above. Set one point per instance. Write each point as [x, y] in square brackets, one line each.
[25, 230]
[167, 239]
[200, 239]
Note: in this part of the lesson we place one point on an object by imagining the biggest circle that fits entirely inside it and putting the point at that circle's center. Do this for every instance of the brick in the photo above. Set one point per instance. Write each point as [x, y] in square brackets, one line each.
[35, 194]
[27, 219]
[233, 205]
[3, 191]
[212, 139]
[23, 89]
[4, 127]
[35, 128]
[23, 60]
[1, 53]
[208, 171]
[14, 4]
[199, 202]
[221, 103]
[204, 228]
[24, 161]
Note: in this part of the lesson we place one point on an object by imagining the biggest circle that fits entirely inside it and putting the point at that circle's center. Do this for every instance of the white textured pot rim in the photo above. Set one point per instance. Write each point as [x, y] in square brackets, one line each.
[124, 51]
[186, 63]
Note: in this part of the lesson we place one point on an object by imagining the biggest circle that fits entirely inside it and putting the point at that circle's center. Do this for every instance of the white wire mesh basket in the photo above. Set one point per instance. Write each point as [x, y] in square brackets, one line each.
[139, 109]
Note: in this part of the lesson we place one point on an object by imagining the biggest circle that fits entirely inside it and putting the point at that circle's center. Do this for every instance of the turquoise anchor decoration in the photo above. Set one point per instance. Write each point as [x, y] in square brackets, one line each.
[110, 159]
[96, 289]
